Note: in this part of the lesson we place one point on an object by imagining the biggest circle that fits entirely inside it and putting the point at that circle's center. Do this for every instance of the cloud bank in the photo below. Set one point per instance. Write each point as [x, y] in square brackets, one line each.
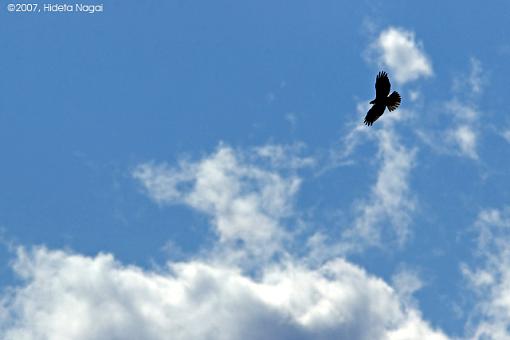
[64, 295]
[70, 296]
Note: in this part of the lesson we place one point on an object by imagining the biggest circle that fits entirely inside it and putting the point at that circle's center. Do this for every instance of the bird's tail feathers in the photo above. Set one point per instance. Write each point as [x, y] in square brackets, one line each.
[393, 101]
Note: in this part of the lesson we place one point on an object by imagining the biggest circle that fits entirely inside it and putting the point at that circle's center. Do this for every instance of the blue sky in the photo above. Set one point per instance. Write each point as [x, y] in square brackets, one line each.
[183, 168]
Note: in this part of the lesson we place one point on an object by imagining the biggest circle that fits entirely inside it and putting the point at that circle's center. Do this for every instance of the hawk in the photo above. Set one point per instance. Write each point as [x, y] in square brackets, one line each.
[382, 100]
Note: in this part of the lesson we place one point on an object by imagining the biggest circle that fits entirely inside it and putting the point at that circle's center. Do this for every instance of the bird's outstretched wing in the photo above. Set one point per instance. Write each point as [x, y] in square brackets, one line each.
[382, 85]
[393, 101]
[375, 112]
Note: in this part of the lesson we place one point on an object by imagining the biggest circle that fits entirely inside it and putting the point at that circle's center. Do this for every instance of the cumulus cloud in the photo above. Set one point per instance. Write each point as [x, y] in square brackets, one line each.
[70, 296]
[397, 49]
[490, 279]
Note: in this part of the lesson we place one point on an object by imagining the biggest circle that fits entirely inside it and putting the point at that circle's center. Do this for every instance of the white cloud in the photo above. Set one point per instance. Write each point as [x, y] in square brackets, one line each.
[292, 119]
[491, 279]
[397, 49]
[245, 201]
[70, 296]
[462, 138]
[506, 135]
[465, 138]
[407, 282]
[476, 79]
[385, 215]
[474, 82]
[462, 112]
[462, 135]
[390, 196]
[284, 156]
[414, 95]
[358, 133]
[390, 202]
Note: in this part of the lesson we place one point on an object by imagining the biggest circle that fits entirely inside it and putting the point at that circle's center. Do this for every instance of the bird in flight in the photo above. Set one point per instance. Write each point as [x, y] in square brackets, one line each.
[382, 100]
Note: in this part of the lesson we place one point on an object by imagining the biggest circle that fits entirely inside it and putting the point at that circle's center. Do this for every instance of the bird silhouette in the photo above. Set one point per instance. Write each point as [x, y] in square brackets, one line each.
[382, 100]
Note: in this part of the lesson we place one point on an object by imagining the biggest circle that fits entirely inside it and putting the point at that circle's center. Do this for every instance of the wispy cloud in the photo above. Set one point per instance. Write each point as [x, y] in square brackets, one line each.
[461, 135]
[491, 278]
[506, 135]
[390, 202]
[464, 136]
[386, 212]
[407, 282]
[285, 156]
[472, 83]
